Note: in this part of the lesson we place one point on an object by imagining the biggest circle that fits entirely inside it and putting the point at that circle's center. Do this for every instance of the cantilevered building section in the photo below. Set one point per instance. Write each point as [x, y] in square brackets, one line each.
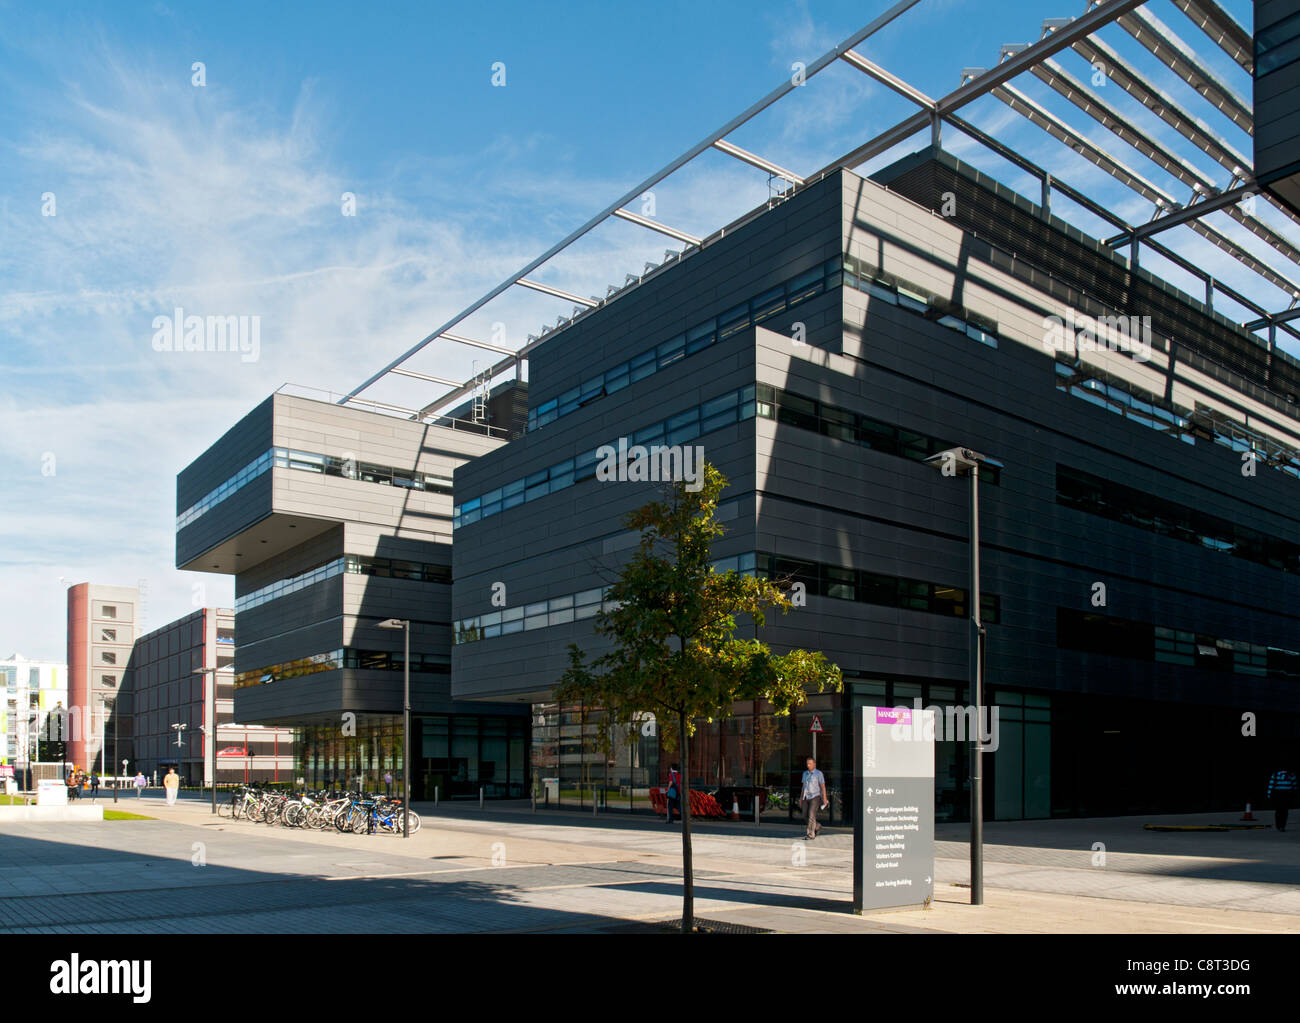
[333, 520]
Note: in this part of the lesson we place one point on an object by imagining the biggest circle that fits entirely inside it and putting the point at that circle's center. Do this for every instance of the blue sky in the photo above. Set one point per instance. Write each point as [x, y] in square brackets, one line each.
[225, 199]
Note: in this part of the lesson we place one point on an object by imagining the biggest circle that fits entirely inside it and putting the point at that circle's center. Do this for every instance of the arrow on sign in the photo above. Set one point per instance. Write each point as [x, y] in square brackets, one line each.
[927, 880]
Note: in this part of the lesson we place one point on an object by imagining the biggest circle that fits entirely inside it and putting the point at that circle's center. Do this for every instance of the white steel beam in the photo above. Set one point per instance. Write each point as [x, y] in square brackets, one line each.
[870, 29]
[654, 225]
[745, 156]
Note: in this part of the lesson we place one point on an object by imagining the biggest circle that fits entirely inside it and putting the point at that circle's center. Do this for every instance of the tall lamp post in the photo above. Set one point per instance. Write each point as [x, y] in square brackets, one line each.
[965, 462]
[405, 626]
[210, 727]
[180, 742]
[104, 708]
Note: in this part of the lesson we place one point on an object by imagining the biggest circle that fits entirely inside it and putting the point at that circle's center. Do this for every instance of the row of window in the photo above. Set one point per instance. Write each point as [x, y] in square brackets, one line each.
[310, 461]
[818, 579]
[682, 428]
[352, 564]
[841, 583]
[214, 497]
[1123, 637]
[1085, 492]
[571, 607]
[888, 288]
[792, 409]
[347, 657]
[783, 296]
[763, 400]
[841, 270]
[365, 472]
[1155, 413]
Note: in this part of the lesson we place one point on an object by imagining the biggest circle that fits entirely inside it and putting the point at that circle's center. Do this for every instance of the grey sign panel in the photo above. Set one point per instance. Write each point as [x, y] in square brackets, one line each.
[893, 829]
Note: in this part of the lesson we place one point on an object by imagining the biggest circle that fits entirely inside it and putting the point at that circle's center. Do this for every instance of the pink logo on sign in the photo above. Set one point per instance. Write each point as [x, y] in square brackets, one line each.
[893, 716]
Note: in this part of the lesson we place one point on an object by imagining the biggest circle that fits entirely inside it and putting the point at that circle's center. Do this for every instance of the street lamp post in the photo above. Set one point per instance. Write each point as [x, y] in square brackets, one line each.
[180, 742]
[405, 626]
[210, 729]
[965, 462]
[106, 703]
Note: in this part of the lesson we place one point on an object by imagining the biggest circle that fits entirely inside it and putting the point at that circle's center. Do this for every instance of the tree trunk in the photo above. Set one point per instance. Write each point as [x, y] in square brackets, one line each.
[688, 873]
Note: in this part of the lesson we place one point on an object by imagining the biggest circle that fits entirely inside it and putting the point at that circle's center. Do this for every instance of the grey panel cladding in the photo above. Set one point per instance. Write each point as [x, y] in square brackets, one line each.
[247, 506]
[302, 558]
[1276, 103]
[794, 236]
[239, 446]
[724, 367]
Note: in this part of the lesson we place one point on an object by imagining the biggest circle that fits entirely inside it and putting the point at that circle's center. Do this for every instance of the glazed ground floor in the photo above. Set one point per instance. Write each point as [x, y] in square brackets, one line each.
[1048, 754]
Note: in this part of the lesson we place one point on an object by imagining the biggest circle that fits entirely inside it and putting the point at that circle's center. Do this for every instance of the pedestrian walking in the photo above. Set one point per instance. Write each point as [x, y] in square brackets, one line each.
[388, 783]
[172, 784]
[1281, 793]
[812, 793]
[674, 794]
[74, 789]
[94, 786]
[140, 782]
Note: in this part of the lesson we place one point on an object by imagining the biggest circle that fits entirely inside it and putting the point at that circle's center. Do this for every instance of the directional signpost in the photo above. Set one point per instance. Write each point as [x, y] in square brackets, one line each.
[893, 828]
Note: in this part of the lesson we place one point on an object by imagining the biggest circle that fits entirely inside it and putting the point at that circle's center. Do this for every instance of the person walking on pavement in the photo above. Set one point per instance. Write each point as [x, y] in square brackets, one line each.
[388, 783]
[812, 793]
[140, 782]
[94, 786]
[172, 784]
[674, 794]
[1281, 793]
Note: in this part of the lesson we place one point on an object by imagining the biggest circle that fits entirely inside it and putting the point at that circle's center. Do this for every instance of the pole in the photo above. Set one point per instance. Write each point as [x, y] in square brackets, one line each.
[101, 739]
[212, 728]
[977, 697]
[115, 775]
[406, 731]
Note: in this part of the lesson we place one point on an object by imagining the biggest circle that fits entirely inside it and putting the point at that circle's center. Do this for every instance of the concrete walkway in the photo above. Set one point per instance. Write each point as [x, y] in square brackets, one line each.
[507, 869]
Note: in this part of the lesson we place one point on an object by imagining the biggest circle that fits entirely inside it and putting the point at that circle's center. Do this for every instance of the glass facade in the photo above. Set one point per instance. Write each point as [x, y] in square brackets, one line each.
[757, 754]
[455, 754]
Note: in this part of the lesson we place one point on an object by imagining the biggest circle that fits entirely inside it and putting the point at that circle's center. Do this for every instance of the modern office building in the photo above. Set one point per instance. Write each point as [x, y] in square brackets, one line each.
[1141, 541]
[167, 688]
[32, 690]
[332, 521]
[103, 623]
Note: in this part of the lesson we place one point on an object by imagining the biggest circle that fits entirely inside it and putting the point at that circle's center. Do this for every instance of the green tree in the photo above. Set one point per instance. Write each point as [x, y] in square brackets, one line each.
[674, 649]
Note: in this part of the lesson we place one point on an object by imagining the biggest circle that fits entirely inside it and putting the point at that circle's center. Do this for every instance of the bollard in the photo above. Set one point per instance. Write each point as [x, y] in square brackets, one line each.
[534, 802]
[757, 818]
[480, 797]
[435, 795]
[594, 802]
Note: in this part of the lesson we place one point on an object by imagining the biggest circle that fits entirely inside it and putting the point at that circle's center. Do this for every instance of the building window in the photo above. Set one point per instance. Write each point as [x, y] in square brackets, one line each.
[108, 636]
[108, 657]
[108, 611]
[108, 680]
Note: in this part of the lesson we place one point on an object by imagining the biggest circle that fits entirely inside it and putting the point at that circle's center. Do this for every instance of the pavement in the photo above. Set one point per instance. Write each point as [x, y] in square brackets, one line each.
[507, 869]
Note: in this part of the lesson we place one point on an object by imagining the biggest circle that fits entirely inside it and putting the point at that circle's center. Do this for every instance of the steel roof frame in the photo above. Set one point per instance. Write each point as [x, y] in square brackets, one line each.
[1058, 34]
